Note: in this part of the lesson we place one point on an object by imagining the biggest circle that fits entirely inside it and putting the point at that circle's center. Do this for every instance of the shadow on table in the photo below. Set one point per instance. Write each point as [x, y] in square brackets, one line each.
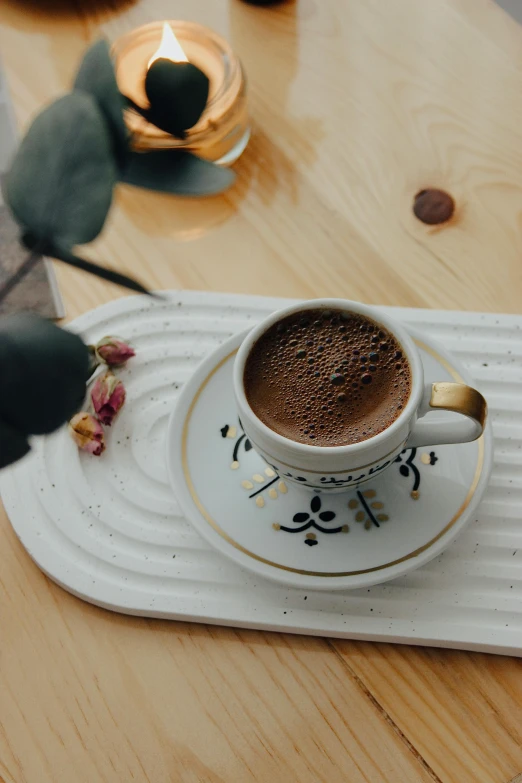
[184, 219]
[66, 23]
[24, 13]
[266, 176]
[285, 146]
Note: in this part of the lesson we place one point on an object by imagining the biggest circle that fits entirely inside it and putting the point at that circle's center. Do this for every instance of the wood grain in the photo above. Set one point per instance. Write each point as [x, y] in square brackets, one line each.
[462, 711]
[355, 108]
[92, 696]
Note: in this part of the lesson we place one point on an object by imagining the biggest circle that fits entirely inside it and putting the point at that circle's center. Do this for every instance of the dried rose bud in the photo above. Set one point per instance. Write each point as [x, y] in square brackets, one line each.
[87, 432]
[114, 351]
[108, 396]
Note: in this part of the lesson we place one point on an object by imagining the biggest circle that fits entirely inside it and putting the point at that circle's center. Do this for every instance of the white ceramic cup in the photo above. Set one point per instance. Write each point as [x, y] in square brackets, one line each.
[340, 467]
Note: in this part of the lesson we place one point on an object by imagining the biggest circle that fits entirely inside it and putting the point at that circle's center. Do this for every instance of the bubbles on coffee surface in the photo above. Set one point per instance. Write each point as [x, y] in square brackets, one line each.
[327, 378]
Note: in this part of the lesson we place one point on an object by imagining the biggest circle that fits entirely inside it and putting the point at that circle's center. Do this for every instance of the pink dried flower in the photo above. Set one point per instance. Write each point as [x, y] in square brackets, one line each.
[87, 433]
[108, 396]
[114, 351]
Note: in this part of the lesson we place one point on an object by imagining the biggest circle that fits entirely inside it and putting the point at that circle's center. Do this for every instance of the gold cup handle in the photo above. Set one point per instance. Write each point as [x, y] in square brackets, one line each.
[454, 397]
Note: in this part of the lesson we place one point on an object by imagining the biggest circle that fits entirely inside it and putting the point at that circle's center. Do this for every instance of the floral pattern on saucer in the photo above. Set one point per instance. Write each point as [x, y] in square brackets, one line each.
[363, 504]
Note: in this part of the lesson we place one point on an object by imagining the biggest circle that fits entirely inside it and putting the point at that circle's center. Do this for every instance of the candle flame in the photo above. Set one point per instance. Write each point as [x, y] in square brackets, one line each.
[169, 48]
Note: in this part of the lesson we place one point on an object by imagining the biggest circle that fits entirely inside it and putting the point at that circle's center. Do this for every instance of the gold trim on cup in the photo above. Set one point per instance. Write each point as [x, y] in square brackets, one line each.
[304, 572]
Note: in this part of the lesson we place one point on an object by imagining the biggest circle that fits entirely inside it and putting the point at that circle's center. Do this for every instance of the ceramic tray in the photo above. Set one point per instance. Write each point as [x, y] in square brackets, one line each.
[110, 531]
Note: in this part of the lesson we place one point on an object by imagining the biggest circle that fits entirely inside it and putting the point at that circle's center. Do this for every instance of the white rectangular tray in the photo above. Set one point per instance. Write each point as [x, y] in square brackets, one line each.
[470, 597]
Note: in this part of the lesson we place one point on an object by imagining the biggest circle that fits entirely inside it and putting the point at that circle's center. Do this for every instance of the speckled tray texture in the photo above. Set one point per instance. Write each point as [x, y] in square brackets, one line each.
[132, 551]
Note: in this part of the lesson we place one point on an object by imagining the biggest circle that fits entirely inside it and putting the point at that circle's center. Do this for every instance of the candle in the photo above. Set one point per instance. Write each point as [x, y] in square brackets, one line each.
[222, 131]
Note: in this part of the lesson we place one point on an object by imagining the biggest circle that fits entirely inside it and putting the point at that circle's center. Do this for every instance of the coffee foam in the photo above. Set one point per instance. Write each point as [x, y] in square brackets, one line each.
[327, 378]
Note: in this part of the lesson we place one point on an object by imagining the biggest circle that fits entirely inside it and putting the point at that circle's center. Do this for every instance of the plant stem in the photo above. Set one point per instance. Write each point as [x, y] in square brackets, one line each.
[30, 262]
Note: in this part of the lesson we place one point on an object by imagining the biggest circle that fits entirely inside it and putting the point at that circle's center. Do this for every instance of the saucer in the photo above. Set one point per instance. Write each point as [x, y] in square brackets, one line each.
[287, 533]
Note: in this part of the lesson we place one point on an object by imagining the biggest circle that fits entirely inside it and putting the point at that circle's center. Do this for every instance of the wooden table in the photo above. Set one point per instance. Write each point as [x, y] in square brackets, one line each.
[356, 107]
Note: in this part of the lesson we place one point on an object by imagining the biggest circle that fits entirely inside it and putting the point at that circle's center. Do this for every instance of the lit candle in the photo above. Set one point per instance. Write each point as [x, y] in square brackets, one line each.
[169, 48]
[222, 131]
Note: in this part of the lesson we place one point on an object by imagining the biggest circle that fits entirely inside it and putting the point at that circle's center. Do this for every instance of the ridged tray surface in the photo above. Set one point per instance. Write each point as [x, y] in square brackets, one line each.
[110, 531]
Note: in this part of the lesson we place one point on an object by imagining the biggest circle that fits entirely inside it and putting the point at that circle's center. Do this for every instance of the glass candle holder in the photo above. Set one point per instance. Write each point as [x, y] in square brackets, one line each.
[223, 130]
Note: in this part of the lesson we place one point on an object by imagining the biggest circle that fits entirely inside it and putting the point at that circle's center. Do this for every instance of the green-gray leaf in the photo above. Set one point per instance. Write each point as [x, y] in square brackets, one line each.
[96, 76]
[176, 171]
[44, 371]
[13, 445]
[60, 184]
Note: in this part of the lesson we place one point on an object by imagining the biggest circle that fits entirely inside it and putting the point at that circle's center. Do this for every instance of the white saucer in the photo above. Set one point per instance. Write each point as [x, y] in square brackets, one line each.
[327, 541]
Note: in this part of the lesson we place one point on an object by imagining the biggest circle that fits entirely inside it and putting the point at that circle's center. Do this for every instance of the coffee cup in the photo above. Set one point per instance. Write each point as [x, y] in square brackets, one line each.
[371, 446]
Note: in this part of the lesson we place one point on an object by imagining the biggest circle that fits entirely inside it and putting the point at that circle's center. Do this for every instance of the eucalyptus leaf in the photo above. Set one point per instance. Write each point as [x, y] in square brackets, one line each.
[44, 370]
[177, 93]
[176, 171]
[60, 183]
[96, 76]
[13, 445]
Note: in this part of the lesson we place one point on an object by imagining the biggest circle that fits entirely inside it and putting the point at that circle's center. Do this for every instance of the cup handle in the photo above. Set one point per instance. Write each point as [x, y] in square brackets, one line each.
[454, 397]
